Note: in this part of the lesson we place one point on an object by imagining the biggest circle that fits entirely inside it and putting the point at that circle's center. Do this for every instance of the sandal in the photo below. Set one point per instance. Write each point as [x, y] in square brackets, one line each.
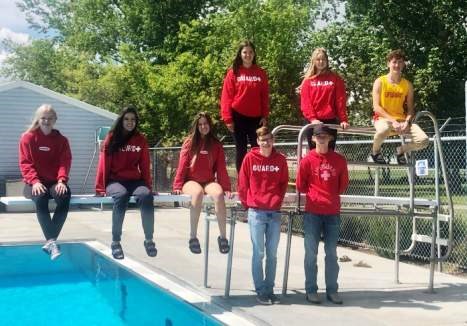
[401, 160]
[345, 259]
[150, 247]
[194, 246]
[117, 251]
[223, 245]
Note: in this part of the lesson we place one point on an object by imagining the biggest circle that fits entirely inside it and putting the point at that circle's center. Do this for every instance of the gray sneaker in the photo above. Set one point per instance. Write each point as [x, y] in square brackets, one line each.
[45, 247]
[54, 250]
[263, 299]
[334, 298]
[313, 298]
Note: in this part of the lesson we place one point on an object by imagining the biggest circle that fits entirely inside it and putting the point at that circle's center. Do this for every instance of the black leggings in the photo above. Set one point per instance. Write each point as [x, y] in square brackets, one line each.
[244, 133]
[121, 192]
[332, 143]
[51, 227]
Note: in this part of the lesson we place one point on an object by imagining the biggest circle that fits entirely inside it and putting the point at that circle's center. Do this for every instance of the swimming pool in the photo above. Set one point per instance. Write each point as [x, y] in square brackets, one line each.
[84, 287]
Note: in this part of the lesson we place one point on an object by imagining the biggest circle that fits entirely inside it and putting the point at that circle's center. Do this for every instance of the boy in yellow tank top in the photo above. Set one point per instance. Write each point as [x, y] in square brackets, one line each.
[393, 110]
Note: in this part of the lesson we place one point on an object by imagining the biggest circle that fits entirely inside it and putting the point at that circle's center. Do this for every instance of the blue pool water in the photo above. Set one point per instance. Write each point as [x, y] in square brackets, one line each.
[83, 287]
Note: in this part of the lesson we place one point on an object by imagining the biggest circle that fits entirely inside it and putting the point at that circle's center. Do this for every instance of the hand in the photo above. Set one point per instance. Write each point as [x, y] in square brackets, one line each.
[344, 125]
[61, 188]
[100, 194]
[177, 192]
[230, 126]
[315, 122]
[405, 126]
[38, 188]
[263, 122]
[397, 126]
[228, 194]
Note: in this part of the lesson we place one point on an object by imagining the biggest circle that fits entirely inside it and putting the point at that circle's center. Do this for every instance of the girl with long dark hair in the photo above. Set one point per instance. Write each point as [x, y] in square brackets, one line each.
[202, 170]
[124, 171]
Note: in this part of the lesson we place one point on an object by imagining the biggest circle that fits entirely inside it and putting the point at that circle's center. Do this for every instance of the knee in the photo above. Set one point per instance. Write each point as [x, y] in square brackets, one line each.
[197, 198]
[121, 196]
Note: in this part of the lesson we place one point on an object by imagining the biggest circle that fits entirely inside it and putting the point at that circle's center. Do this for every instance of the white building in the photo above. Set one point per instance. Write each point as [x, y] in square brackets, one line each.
[77, 121]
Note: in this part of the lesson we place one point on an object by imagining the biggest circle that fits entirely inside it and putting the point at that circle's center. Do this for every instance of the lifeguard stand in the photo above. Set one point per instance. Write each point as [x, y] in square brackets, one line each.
[99, 137]
[420, 211]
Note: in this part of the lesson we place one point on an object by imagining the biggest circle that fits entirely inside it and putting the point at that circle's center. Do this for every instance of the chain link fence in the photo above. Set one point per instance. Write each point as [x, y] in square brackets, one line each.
[375, 232]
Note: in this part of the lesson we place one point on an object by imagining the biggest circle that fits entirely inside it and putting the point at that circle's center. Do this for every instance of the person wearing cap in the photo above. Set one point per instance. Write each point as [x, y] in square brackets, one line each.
[323, 97]
[262, 183]
[393, 110]
[323, 176]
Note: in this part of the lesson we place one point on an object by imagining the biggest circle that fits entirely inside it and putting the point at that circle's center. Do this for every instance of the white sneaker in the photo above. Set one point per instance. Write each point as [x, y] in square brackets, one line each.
[45, 247]
[54, 250]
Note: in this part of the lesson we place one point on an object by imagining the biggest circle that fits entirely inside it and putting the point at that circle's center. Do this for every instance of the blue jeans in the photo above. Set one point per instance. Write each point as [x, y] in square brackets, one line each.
[265, 230]
[328, 225]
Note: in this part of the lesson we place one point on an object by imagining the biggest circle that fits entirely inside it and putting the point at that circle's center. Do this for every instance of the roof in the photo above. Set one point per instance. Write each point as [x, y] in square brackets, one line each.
[60, 97]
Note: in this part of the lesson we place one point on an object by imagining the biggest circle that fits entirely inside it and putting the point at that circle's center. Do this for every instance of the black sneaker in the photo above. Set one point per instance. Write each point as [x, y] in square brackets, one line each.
[117, 251]
[378, 158]
[274, 299]
[263, 299]
[401, 160]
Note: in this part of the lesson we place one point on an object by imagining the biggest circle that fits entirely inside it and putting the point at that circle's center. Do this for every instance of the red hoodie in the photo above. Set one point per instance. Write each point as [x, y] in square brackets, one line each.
[207, 166]
[44, 158]
[262, 181]
[323, 98]
[247, 93]
[131, 162]
[322, 177]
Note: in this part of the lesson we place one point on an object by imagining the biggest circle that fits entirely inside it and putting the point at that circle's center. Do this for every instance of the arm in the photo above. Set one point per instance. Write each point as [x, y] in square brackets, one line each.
[343, 177]
[305, 104]
[221, 170]
[302, 177]
[244, 181]
[182, 168]
[341, 101]
[145, 164]
[405, 126]
[26, 162]
[65, 162]
[284, 182]
[228, 94]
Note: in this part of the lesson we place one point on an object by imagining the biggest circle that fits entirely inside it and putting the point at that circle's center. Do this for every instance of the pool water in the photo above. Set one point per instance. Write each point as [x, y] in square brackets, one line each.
[82, 287]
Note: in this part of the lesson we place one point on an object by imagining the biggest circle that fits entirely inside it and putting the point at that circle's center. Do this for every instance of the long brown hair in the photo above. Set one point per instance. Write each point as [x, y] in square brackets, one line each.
[237, 62]
[312, 71]
[195, 139]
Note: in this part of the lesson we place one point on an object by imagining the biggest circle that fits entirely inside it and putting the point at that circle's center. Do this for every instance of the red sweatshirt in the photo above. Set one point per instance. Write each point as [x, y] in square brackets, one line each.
[323, 98]
[322, 177]
[262, 181]
[206, 167]
[131, 162]
[44, 158]
[247, 93]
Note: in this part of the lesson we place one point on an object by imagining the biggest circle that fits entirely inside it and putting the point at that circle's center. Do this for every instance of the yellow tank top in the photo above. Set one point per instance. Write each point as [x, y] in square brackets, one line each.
[393, 97]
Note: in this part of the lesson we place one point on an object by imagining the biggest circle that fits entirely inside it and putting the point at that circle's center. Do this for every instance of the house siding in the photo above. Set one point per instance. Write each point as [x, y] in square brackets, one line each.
[17, 107]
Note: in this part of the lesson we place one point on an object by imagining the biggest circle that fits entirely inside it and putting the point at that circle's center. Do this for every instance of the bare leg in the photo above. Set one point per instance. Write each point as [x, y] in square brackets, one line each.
[194, 189]
[214, 190]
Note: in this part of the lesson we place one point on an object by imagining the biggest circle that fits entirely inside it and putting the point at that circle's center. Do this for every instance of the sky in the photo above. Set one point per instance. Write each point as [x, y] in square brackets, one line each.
[13, 25]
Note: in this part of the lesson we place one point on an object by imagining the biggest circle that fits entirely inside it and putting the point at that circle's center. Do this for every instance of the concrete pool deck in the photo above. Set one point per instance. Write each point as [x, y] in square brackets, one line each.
[370, 295]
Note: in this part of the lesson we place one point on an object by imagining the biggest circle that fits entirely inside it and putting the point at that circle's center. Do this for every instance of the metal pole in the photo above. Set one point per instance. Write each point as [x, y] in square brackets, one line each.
[432, 255]
[396, 252]
[228, 277]
[206, 247]
[287, 254]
